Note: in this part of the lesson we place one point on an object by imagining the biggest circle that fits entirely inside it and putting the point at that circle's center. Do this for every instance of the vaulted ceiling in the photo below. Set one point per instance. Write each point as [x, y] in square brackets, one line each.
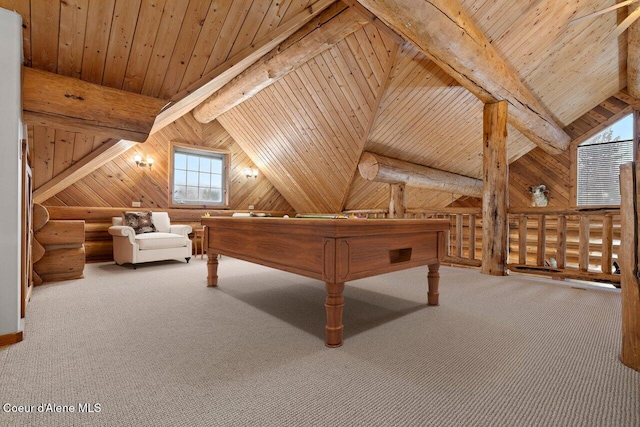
[369, 91]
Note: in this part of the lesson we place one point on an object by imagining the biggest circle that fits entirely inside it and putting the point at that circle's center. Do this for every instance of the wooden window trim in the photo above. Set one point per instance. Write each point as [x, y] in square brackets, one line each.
[227, 166]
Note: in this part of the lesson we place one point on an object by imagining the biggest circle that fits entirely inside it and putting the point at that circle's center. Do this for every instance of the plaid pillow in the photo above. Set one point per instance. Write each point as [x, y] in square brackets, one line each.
[140, 221]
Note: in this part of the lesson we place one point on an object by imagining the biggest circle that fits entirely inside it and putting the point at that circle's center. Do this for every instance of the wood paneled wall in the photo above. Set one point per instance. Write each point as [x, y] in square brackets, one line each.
[121, 181]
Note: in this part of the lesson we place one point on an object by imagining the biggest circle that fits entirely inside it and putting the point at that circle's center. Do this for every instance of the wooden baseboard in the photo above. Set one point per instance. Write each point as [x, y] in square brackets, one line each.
[9, 339]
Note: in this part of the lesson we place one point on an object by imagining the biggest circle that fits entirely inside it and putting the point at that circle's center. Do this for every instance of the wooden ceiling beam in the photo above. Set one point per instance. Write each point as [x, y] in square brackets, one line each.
[62, 102]
[443, 31]
[374, 167]
[333, 25]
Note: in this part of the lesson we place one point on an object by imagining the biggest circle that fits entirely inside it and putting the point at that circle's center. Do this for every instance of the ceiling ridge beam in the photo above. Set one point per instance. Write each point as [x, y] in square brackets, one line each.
[447, 35]
[317, 36]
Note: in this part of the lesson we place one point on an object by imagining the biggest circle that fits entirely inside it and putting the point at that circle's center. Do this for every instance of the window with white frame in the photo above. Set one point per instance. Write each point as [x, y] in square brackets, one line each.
[199, 177]
[598, 164]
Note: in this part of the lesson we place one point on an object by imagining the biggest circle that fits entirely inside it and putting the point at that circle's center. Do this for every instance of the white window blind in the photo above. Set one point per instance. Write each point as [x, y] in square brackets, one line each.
[598, 163]
[599, 172]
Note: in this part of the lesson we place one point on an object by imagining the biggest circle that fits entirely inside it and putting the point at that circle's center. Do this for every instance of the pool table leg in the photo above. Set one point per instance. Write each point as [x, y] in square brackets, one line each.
[334, 305]
[212, 269]
[433, 278]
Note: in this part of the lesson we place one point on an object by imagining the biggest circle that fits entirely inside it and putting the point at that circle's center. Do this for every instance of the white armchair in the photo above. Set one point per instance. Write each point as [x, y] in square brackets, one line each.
[168, 242]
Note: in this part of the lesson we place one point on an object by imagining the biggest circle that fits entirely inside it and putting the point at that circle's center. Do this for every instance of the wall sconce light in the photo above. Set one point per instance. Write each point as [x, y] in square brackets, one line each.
[148, 162]
[250, 173]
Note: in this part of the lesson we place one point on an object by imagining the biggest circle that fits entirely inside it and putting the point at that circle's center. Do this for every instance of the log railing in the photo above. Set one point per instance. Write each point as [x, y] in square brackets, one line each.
[565, 243]
[561, 243]
[465, 234]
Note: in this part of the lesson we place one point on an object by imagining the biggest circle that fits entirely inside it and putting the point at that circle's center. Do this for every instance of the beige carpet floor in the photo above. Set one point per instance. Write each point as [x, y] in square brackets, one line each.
[156, 347]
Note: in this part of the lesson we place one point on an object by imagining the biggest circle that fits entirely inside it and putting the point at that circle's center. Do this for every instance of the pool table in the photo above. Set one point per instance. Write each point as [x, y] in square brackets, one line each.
[332, 250]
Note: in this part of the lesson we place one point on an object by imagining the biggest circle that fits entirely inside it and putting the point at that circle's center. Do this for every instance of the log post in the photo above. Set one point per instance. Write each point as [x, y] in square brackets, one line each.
[522, 239]
[583, 244]
[561, 251]
[459, 236]
[495, 169]
[397, 201]
[472, 236]
[607, 243]
[542, 240]
[630, 354]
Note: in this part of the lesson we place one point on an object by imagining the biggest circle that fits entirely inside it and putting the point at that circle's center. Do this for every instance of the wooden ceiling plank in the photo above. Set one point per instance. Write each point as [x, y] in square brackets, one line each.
[230, 29]
[345, 85]
[144, 40]
[99, 17]
[344, 119]
[99, 141]
[187, 38]
[73, 26]
[63, 157]
[82, 146]
[367, 69]
[44, 35]
[388, 66]
[186, 100]
[250, 28]
[314, 38]
[173, 16]
[366, 47]
[376, 39]
[404, 110]
[341, 97]
[308, 130]
[329, 131]
[123, 28]
[234, 120]
[78, 105]
[275, 16]
[293, 8]
[207, 40]
[435, 28]
[96, 159]
[43, 150]
[299, 181]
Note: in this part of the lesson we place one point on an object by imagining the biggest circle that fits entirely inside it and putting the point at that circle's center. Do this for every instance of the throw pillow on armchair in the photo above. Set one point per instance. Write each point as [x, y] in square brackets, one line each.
[141, 222]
